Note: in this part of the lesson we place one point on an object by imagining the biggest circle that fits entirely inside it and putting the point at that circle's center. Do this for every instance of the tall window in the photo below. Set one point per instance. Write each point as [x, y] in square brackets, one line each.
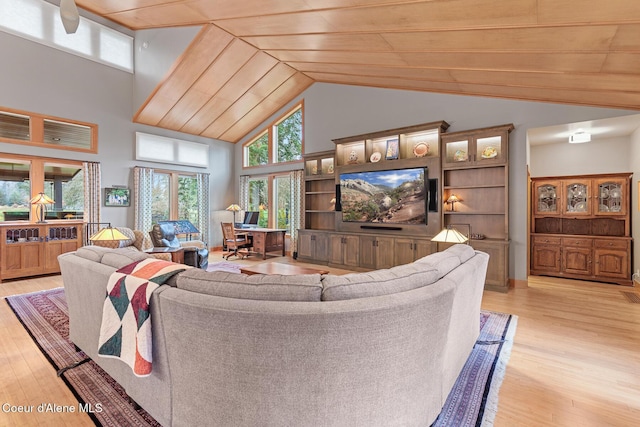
[281, 142]
[15, 190]
[188, 198]
[65, 185]
[282, 197]
[259, 199]
[174, 196]
[161, 195]
[271, 195]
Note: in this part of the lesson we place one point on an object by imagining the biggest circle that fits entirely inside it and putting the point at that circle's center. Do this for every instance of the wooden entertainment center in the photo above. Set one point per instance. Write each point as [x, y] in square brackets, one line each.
[472, 164]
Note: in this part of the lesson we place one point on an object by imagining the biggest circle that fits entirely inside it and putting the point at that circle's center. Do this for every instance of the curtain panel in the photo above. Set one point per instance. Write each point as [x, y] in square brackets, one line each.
[243, 199]
[92, 194]
[296, 213]
[142, 198]
[203, 206]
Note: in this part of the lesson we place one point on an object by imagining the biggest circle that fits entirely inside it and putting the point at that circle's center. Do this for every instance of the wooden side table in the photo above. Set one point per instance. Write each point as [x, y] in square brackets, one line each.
[177, 254]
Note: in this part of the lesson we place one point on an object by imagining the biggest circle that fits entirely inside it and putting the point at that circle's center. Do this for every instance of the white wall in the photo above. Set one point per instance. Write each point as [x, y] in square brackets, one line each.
[336, 111]
[610, 155]
[43, 80]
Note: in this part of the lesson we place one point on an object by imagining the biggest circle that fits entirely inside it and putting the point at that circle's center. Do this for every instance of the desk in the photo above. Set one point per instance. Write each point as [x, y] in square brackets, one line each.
[266, 239]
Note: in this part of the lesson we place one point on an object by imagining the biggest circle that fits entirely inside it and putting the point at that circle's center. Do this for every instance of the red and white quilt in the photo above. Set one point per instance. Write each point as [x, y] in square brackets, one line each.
[125, 332]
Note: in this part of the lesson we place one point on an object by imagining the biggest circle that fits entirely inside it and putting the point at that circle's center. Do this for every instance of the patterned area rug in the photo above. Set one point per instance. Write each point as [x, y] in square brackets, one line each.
[472, 402]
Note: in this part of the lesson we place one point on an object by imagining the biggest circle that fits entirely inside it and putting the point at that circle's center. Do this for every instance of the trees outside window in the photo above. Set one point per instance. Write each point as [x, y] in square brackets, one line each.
[281, 142]
[174, 196]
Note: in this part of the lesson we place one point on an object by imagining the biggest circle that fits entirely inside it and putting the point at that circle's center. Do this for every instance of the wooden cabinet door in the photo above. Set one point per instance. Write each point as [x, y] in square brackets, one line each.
[336, 242]
[305, 244]
[490, 150]
[22, 259]
[422, 248]
[320, 248]
[52, 250]
[368, 252]
[611, 263]
[546, 197]
[545, 258]
[576, 260]
[403, 251]
[610, 197]
[384, 252]
[351, 251]
[576, 198]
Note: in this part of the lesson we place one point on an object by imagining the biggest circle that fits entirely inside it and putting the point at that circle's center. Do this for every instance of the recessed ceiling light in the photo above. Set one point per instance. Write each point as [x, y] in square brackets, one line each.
[579, 137]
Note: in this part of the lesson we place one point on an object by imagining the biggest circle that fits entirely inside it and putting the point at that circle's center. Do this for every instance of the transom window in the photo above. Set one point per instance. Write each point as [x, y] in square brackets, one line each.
[21, 127]
[281, 142]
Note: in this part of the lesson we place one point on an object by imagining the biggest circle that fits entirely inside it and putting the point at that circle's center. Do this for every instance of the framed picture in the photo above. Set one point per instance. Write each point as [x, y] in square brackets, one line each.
[117, 197]
[392, 149]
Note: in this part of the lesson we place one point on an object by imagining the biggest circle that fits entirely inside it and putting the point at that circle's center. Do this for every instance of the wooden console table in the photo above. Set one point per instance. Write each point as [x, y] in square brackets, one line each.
[266, 239]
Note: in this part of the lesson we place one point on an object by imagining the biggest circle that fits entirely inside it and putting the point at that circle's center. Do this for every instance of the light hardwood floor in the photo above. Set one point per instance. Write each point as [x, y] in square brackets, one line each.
[575, 361]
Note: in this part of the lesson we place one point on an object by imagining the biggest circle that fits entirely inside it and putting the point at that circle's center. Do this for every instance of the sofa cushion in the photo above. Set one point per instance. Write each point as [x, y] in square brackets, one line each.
[444, 262]
[464, 252]
[118, 258]
[92, 253]
[376, 283]
[269, 287]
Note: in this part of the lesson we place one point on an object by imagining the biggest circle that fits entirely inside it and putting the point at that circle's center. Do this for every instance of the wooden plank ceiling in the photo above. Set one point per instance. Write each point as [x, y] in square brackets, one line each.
[253, 56]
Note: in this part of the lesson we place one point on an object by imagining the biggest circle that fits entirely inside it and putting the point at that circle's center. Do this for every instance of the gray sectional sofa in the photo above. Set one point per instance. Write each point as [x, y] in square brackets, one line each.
[381, 348]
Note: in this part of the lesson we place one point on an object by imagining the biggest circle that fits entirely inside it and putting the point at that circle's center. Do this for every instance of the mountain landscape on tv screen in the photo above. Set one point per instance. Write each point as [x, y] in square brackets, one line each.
[393, 197]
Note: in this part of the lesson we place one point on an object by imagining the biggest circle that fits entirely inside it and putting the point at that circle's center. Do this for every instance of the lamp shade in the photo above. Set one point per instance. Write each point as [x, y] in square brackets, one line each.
[453, 198]
[450, 235]
[108, 233]
[41, 199]
[234, 208]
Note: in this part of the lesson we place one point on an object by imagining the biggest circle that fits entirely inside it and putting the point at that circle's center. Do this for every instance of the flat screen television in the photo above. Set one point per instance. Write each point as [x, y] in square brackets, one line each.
[393, 196]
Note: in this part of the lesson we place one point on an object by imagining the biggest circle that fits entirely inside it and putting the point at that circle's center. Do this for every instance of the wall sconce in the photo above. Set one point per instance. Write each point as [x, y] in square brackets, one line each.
[452, 199]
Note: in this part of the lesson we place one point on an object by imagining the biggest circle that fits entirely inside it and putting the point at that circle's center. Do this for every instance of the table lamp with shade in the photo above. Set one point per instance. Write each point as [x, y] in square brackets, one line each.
[453, 199]
[451, 235]
[107, 233]
[41, 200]
[234, 208]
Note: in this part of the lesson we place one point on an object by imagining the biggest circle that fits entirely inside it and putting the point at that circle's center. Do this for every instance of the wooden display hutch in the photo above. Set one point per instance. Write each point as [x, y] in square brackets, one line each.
[581, 227]
[475, 170]
[29, 249]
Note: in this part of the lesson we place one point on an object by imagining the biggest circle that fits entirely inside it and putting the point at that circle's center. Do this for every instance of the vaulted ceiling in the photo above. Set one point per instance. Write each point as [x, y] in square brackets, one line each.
[253, 56]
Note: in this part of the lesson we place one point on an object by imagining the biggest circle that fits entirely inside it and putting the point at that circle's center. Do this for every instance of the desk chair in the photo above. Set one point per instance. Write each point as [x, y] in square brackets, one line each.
[234, 241]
